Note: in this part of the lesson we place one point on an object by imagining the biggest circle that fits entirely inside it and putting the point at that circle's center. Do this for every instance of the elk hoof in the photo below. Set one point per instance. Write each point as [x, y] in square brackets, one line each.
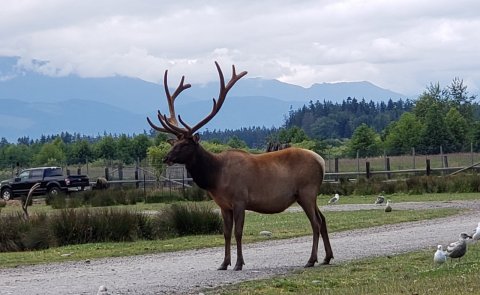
[238, 267]
[310, 264]
[326, 261]
[224, 266]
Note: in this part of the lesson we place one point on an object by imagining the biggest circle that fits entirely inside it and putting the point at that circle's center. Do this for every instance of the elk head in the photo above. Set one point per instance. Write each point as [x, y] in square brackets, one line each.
[186, 144]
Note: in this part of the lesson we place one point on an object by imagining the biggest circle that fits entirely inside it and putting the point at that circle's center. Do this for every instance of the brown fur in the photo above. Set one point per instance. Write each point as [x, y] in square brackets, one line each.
[266, 183]
[239, 181]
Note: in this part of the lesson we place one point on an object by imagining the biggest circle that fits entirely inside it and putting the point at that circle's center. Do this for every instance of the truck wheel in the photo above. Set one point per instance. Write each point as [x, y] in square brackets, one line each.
[7, 194]
[53, 191]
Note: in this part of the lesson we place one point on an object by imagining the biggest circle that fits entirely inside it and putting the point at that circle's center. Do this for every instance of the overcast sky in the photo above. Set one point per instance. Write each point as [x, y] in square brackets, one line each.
[400, 45]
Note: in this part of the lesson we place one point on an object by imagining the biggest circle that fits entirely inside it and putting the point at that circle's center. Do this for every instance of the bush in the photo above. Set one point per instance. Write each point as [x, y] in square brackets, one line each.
[195, 194]
[11, 229]
[161, 196]
[461, 183]
[78, 226]
[104, 225]
[38, 236]
[194, 219]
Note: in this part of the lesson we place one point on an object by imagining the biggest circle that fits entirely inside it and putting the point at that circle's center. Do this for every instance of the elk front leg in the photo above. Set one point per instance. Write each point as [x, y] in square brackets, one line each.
[227, 234]
[310, 210]
[239, 217]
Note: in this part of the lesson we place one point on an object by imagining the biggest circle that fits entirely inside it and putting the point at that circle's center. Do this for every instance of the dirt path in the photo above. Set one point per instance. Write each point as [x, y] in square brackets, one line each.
[191, 271]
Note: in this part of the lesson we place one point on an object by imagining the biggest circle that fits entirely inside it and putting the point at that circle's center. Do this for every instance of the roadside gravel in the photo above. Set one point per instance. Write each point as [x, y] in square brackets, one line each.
[189, 272]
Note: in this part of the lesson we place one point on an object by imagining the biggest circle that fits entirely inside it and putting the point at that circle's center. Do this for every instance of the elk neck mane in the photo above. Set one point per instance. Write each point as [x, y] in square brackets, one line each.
[204, 168]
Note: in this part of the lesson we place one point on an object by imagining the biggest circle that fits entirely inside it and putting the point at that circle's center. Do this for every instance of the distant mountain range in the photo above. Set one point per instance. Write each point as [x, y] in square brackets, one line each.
[32, 104]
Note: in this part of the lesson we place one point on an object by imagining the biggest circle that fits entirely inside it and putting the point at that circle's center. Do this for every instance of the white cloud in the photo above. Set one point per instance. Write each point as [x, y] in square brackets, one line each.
[400, 45]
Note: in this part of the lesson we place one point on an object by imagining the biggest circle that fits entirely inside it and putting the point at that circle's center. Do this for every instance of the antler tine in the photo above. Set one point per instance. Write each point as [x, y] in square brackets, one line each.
[166, 127]
[173, 128]
[171, 98]
[221, 97]
[170, 124]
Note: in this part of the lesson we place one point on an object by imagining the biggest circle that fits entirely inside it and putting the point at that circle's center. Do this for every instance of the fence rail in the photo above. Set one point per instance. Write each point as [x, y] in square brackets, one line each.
[176, 176]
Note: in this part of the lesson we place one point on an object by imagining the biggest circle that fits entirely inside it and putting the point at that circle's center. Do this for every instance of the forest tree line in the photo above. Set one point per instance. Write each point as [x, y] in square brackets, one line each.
[440, 118]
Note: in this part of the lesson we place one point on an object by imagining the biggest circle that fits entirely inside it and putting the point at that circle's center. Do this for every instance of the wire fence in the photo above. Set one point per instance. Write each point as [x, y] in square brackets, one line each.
[143, 174]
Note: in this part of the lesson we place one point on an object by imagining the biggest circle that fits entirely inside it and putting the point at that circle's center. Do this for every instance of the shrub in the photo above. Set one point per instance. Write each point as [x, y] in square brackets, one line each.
[162, 226]
[100, 225]
[161, 196]
[11, 229]
[195, 194]
[39, 235]
[193, 218]
[109, 197]
[57, 202]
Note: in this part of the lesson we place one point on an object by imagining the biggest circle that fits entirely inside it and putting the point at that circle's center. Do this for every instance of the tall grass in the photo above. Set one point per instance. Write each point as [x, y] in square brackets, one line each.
[90, 225]
[460, 183]
[195, 218]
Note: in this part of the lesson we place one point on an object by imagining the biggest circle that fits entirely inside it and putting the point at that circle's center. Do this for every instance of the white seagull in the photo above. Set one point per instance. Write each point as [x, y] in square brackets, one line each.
[380, 200]
[440, 256]
[102, 290]
[476, 235]
[459, 248]
[334, 199]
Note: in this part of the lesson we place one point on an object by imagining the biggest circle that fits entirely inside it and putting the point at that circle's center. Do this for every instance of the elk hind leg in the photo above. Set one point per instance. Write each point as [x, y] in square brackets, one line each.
[324, 233]
[239, 217]
[227, 234]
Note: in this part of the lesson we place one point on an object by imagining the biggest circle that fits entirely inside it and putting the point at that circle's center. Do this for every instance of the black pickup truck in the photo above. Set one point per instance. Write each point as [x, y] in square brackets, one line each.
[51, 179]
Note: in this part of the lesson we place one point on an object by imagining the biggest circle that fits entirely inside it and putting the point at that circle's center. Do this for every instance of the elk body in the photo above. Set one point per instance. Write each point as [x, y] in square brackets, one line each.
[238, 181]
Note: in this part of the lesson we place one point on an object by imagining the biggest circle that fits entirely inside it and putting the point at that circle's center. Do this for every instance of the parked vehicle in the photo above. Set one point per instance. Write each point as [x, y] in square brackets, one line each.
[51, 179]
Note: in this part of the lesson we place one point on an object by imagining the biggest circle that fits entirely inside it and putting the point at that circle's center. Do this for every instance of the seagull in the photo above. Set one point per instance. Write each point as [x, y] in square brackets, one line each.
[459, 248]
[102, 290]
[476, 235]
[388, 207]
[380, 200]
[440, 256]
[334, 199]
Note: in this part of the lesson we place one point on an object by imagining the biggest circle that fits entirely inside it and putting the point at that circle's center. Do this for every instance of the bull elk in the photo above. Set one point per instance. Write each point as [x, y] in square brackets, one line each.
[238, 181]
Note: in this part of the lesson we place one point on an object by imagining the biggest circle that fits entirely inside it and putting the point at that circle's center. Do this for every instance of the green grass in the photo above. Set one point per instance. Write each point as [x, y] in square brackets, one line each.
[397, 198]
[322, 201]
[283, 225]
[412, 273]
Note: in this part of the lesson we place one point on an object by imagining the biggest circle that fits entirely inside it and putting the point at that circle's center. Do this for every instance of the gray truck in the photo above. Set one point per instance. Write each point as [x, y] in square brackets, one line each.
[52, 182]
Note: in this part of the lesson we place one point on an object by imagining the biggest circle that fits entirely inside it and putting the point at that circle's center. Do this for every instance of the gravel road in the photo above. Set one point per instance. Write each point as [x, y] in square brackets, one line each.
[188, 272]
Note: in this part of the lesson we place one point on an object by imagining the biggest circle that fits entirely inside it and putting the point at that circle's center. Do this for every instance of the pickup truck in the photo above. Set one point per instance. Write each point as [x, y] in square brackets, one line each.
[51, 179]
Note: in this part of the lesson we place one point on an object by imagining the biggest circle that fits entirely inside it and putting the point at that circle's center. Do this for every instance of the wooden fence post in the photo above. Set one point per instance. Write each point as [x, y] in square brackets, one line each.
[120, 171]
[367, 168]
[428, 167]
[387, 164]
[107, 175]
[336, 169]
[137, 185]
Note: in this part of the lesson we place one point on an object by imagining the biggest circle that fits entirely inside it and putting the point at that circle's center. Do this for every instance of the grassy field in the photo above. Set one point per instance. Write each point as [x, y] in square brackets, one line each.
[397, 198]
[283, 225]
[322, 200]
[404, 162]
[412, 273]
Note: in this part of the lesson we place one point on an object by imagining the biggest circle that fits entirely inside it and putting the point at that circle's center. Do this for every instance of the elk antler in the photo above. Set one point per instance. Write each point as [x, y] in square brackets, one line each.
[171, 100]
[170, 125]
[27, 200]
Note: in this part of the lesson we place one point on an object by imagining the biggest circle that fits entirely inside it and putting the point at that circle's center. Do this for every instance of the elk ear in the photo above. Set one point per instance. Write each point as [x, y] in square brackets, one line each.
[196, 138]
[171, 141]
